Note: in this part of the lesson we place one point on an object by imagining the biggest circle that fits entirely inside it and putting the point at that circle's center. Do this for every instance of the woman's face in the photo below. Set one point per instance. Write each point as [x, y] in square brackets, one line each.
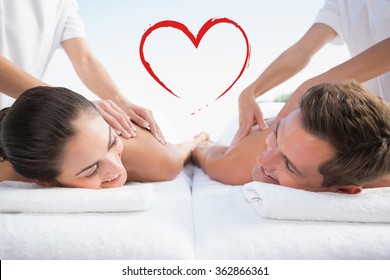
[91, 159]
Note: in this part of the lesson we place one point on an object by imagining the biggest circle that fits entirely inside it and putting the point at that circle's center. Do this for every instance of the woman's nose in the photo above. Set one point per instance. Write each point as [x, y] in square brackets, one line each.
[113, 164]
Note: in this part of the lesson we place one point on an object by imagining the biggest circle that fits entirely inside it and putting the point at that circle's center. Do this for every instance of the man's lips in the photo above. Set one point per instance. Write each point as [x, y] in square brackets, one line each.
[264, 173]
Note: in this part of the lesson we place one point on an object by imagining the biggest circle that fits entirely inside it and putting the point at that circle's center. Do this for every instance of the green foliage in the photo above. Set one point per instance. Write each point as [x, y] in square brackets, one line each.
[282, 97]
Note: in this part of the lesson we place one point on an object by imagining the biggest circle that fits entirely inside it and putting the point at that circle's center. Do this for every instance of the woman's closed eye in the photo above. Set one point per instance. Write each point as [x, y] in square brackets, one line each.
[113, 143]
[93, 173]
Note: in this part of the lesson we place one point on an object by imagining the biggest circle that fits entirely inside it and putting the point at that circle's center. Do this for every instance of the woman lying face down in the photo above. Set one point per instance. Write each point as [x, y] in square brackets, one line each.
[338, 140]
[56, 137]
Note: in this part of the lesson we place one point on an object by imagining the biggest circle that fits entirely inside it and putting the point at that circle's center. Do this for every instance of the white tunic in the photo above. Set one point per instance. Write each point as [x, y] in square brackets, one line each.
[360, 24]
[31, 31]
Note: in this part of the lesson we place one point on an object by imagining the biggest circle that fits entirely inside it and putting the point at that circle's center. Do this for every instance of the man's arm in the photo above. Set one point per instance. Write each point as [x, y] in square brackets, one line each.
[232, 166]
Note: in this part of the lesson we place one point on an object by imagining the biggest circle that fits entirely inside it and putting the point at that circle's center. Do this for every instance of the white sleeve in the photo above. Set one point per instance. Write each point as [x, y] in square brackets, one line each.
[74, 26]
[330, 15]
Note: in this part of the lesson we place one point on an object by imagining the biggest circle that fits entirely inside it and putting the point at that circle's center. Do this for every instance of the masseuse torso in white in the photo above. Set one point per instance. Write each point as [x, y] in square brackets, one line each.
[31, 31]
[360, 24]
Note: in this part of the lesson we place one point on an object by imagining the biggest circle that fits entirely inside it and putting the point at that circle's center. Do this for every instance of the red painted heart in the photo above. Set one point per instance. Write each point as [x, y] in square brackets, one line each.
[195, 41]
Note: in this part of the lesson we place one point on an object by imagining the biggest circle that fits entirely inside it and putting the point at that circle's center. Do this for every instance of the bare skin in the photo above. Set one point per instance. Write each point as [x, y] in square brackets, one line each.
[147, 160]
[231, 166]
[144, 158]
[369, 64]
[236, 165]
[8, 174]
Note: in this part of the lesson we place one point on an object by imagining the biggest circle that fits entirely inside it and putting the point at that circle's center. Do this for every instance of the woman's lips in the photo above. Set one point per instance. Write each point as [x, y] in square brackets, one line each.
[112, 180]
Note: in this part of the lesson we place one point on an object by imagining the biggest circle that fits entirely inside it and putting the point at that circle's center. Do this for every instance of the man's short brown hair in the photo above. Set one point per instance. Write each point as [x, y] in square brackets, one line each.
[356, 123]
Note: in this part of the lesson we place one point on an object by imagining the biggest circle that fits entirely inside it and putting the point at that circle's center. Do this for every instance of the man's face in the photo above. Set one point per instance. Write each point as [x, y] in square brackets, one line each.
[293, 157]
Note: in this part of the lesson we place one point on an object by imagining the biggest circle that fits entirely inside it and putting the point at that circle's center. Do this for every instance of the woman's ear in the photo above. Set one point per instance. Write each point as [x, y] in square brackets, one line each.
[350, 189]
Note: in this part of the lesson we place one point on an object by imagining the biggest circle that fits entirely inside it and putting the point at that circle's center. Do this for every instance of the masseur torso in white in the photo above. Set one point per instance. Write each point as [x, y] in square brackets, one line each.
[360, 24]
[31, 31]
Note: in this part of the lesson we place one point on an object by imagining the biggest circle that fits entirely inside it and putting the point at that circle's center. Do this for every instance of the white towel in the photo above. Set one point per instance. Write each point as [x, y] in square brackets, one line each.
[278, 202]
[28, 197]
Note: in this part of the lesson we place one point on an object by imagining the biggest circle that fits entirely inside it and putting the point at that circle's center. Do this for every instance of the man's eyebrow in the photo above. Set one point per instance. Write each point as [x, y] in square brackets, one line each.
[276, 130]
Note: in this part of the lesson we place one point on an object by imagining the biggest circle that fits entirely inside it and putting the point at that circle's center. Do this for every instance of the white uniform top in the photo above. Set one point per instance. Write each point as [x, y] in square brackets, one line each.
[31, 31]
[360, 24]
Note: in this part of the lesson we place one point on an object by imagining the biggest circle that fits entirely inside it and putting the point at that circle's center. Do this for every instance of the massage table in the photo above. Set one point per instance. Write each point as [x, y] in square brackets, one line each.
[190, 217]
[227, 227]
[163, 231]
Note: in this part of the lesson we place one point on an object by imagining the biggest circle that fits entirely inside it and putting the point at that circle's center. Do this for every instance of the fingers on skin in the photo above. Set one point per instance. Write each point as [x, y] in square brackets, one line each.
[241, 133]
[144, 118]
[138, 119]
[155, 128]
[117, 118]
[261, 122]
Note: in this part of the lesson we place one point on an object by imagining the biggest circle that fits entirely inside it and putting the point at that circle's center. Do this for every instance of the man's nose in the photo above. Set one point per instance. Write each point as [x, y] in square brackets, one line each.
[270, 159]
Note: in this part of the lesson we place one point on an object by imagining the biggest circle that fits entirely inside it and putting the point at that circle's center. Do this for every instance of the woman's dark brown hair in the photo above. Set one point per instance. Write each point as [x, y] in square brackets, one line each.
[35, 129]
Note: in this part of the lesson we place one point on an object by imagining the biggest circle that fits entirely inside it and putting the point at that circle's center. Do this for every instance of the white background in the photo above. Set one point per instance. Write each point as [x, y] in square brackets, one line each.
[114, 30]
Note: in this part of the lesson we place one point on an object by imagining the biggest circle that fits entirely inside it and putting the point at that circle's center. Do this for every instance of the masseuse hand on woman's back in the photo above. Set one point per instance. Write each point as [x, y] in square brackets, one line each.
[122, 119]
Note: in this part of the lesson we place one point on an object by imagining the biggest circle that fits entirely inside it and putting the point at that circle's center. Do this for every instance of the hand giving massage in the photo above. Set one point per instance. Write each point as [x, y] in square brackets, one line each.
[55, 137]
[337, 141]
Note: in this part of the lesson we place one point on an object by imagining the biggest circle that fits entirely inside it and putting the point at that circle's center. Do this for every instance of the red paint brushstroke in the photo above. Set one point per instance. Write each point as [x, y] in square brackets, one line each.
[195, 41]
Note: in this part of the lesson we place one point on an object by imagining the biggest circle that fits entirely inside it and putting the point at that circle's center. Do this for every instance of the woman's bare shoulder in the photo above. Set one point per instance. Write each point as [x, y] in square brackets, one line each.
[7, 173]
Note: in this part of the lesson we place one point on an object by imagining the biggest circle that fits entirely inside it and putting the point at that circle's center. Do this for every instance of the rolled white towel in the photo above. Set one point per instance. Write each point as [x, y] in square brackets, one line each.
[278, 202]
[28, 197]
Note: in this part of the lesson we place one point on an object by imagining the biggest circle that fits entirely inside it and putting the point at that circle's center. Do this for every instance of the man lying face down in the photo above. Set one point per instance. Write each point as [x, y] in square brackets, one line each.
[338, 140]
